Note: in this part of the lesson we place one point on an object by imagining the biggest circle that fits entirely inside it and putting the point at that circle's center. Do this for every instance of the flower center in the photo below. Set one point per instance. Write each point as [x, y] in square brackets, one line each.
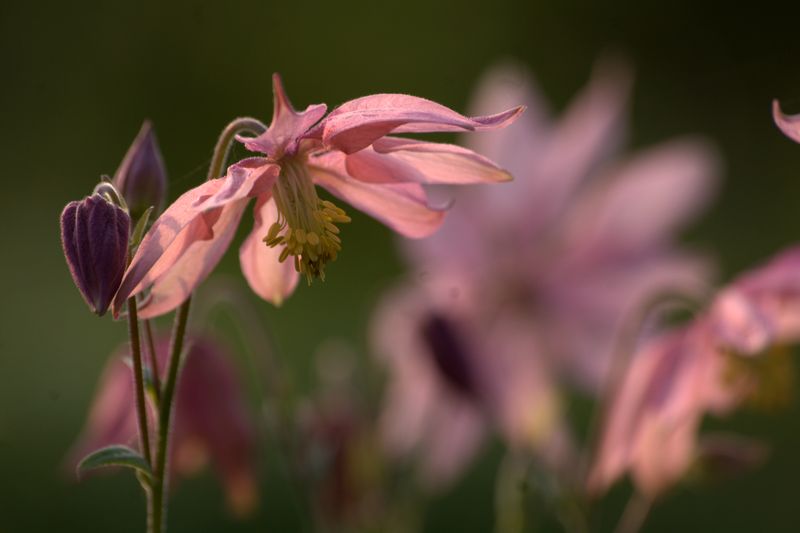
[306, 226]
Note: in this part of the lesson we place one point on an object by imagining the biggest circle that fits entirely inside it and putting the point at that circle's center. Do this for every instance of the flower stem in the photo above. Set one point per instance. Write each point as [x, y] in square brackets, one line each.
[139, 392]
[225, 141]
[154, 370]
[157, 523]
[138, 376]
[167, 395]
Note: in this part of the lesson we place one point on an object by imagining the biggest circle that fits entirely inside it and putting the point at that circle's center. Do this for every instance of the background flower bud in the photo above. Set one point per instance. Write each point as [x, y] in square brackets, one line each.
[94, 235]
[142, 177]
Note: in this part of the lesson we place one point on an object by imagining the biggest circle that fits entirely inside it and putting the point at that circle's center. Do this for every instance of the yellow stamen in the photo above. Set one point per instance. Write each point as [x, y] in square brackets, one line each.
[306, 226]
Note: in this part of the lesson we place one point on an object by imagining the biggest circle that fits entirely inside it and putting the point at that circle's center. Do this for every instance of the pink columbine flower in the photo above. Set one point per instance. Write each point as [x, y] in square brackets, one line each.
[350, 153]
[582, 235]
[211, 418]
[710, 365]
[539, 275]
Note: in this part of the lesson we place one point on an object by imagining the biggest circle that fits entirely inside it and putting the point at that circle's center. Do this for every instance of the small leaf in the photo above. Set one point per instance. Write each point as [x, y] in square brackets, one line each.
[141, 225]
[115, 455]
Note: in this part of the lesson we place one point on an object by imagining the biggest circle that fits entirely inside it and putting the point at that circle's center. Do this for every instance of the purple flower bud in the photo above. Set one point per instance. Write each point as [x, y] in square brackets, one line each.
[141, 177]
[94, 235]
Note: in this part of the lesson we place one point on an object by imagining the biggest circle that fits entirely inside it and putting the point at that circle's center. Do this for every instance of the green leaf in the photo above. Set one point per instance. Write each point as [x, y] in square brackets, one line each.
[141, 225]
[115, 455]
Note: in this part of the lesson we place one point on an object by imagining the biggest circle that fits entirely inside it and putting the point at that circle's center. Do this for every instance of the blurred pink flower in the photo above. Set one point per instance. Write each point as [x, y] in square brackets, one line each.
[581, 237]
[537, 276]
[211, 419]
[678, 376]
[788, 124]
[349, 153]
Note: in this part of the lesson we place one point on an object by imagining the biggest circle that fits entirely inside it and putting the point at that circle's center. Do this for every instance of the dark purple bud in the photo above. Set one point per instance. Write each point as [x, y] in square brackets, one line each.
[449, 354]
[94, 235]
[141, 177]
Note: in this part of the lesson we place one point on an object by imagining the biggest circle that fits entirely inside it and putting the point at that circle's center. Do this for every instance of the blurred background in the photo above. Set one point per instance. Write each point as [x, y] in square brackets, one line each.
[80, 77]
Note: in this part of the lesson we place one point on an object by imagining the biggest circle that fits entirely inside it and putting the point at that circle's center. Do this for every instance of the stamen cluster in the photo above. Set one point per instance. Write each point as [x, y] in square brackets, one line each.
[306, 225]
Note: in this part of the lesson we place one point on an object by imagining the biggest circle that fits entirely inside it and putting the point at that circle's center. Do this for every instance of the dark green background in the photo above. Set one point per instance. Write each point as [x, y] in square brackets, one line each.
[78, 78]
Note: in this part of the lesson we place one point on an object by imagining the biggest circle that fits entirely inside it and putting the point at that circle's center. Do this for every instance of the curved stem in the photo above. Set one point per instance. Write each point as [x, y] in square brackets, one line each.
[225, 142]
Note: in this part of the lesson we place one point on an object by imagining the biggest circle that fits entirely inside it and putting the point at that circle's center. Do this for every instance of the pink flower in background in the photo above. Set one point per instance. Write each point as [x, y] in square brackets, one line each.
[581, 236]
[788, 124]
[452, 379]
[211, 419]
[538, 276]
[349, 153]
[711, 365]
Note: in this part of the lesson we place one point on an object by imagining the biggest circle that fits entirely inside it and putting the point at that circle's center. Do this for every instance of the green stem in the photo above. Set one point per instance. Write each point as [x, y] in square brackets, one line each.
[139, 393]
[225, 142]
[138, 376]
[154, 370]
[159, 508]
[158, 522]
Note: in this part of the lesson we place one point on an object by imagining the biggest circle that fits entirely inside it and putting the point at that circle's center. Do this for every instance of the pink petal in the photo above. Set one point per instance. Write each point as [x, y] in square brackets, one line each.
[520, 143]
[401, 206]
[358, 123]
[269, 278]
[287, 126]
[394, 159]
[190, 218]
[789, 124]
[642, 202]
[589, 131]
[173, 283]
[761, 307]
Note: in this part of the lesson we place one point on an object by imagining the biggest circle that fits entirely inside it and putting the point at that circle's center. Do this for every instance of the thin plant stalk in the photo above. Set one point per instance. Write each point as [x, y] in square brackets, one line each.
[138, 377]
[154, 370]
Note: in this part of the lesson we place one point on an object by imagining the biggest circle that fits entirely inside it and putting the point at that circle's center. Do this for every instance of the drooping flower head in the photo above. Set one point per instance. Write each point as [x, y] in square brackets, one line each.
[727, 355]
[349, 153]
[211, 419]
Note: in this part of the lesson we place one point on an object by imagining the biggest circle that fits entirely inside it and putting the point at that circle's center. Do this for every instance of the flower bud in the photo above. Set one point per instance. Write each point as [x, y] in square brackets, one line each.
[94, 235]
[141, 177]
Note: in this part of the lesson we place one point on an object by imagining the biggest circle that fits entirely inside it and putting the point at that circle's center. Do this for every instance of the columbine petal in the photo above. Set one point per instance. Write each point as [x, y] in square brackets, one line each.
[394, 159]
[189, 219]
[760, 308]
[789, 124]
[171, 285]
[358, 123]
[287, 126]
[646, 199]
[401, 206]
[269, 278]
